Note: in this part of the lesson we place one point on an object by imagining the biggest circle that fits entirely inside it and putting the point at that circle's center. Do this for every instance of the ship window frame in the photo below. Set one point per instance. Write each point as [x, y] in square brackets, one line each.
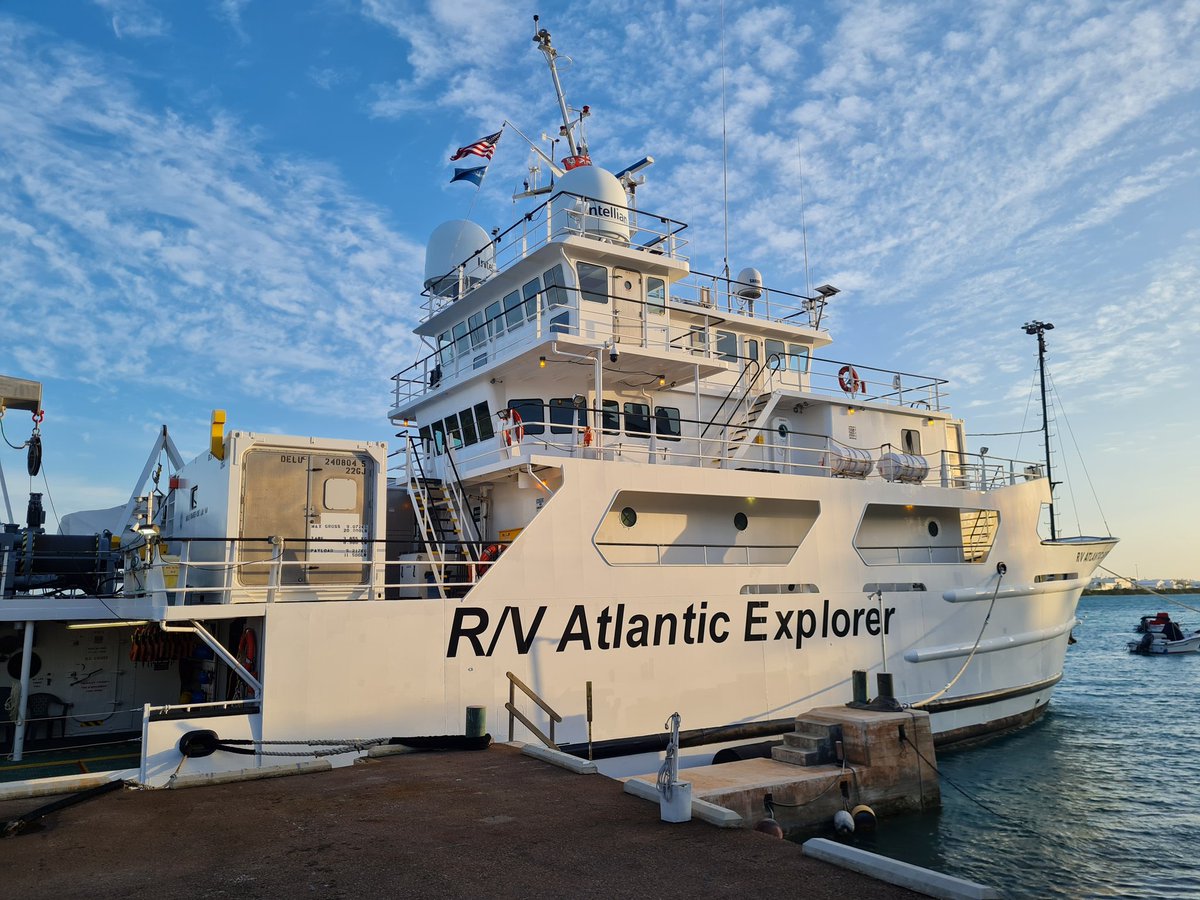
[585, 273]
[910, 441]
[523, 408]
[779, 363]
[750, 345]
[656, 295]
[438, 429]
[670, 415]
[530, 291]
[462, 341]
[483, 421]
[723, 351]
[796, 353]
[466, 422]
[610, 416]
[698, 338]
[493, 314]
[445, 350]
[454, 438]
[476, 330]
[514, 314]
[633, 416]
[575, 418]
[425, 433]
[556, 286]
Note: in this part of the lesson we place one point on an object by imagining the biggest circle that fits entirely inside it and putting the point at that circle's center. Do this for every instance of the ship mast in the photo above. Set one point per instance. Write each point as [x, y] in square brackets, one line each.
[542, 39]
[1040, 329]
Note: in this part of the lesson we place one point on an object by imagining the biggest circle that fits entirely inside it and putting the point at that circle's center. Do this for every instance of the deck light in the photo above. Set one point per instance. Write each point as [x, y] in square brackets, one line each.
[662, 381]
[541, 362]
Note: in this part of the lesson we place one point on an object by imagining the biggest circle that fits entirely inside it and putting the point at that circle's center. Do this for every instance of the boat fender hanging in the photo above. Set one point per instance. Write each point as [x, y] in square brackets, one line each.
[864, 817]
[843, 822]
[197, 744]
[849, 380]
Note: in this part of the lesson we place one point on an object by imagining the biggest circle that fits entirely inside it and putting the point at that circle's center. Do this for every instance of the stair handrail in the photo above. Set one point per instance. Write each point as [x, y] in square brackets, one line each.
[416, 490]
[513, 713]
[725, 399]
[459, 499]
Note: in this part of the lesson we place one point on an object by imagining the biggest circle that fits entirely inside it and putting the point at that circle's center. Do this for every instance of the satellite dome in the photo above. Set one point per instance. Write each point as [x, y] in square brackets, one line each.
[454, 243]
[602, 207]
[749, 284]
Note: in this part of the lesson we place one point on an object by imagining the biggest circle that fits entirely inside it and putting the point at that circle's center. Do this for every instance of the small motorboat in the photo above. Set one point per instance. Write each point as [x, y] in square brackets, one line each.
[1159, 634]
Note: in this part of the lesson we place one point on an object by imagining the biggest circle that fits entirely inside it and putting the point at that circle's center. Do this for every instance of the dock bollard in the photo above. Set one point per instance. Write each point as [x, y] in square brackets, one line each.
[476, 721]
[858, 679]
[674, 796]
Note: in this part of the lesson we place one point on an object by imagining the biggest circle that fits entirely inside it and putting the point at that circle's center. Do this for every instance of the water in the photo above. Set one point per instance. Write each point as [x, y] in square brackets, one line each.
[1098, 799]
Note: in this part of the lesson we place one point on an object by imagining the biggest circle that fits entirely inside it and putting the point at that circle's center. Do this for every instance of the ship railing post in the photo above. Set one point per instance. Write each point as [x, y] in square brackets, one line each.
[275, 576]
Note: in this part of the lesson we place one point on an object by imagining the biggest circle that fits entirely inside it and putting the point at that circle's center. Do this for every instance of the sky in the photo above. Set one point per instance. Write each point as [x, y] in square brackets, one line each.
[224, 204]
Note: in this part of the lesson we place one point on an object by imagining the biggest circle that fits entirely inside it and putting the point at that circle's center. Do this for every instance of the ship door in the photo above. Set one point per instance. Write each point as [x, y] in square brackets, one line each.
[781, 440]
[318, 504]
[628, 306]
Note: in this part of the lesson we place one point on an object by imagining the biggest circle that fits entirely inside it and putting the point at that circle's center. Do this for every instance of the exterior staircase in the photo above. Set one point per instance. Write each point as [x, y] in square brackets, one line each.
[811, 744]
[740, 433]
[439, 513]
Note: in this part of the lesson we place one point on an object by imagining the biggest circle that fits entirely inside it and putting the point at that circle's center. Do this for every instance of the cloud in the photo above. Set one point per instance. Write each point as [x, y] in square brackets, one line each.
[230, 11]
[145, 248]
[134, 18]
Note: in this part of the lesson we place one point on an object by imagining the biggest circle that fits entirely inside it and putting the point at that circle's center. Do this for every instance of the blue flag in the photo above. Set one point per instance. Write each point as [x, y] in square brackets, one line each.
[474, 175]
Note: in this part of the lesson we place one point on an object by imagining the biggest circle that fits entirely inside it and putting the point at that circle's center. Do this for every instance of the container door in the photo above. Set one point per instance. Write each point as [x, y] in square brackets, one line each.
[338, 519]
[274, 505]
[628, 306]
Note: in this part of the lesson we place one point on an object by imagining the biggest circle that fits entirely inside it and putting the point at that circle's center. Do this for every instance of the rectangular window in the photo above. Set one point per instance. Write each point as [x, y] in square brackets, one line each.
[593, 282]
[563, 414]
[910, 441]
[637, 418]
[483, 421]
[610, 417]
[462, 344]
[513, 314]
[530, 292]
[453, 432]
[727, 346]
[699, 338]
[656, 296]
[797, 358]
[475, 327]
[445, 349]
[532, 413]
[751, 348]
[426, 439]
[439, 438]
[556, 291]
[666, 423]
[775, 358]
[467, 422]
[495, 319]
[479, 362]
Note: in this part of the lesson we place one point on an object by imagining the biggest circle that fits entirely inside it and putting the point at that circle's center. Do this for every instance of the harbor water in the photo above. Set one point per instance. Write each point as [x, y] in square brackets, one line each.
[1098, 799]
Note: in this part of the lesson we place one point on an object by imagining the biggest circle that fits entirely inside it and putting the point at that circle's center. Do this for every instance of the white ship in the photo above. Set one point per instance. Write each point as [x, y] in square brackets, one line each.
[622, 488]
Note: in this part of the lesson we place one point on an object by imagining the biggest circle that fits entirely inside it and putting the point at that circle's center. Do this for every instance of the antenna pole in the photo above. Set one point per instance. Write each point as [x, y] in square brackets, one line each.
[1040, 329]
[542, 39]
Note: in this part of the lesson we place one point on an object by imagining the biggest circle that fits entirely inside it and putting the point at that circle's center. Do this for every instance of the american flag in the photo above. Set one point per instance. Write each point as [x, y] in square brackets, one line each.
[483, 147]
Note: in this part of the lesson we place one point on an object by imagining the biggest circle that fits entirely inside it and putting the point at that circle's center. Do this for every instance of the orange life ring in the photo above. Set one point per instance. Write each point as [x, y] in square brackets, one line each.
[489, 555]
[849, 380]
[587, 436]
[514, 431]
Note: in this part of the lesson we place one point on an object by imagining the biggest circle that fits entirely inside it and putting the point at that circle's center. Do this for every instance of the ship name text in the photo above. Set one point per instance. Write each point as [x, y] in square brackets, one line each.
[478, 631]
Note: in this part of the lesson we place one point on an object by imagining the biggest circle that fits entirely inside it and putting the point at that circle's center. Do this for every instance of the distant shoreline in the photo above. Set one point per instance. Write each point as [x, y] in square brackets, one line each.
[1125, 592]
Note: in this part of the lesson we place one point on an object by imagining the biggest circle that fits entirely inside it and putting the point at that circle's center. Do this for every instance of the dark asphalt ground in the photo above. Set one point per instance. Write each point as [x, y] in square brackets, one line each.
[483, 824]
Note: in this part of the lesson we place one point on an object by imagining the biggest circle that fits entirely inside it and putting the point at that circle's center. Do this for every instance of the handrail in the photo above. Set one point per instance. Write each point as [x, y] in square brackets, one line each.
[513, 713]
[725, 399]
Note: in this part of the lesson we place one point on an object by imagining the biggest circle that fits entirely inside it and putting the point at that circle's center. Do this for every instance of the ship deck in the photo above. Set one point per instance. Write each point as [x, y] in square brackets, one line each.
[494, 824]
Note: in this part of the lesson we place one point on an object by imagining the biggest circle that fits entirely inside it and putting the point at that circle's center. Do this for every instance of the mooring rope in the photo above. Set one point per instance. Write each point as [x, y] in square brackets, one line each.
[1149, 590]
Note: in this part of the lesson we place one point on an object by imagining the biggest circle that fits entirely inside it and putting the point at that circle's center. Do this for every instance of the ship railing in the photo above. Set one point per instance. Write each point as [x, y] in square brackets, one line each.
[695, 334]
[515, 714]
[562, 216]
[727, 296]
[688, 554]
[658, 436]
[923, 554]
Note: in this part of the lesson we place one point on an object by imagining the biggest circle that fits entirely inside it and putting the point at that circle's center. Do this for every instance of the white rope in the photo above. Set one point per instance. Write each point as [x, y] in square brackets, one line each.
[971, 655]
[1149, 590]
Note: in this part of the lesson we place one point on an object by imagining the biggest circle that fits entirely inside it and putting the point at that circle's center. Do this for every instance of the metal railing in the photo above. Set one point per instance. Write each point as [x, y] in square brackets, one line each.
[515, 714]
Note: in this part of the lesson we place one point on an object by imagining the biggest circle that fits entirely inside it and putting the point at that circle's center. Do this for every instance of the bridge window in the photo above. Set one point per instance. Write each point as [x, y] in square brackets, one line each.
[453, 433]
[483, 421]
[564, 413]
[593, 282]
[467, 420]
[532, 413]
[461, 342]
[475, 326]
[445, 349]
[797, 358]
[656, 295]
[439, 437]
[751, 349]
[775, 358]
[513, 314]
[495, 319]
[666, 423]
[727, 346]
[530, 291]
[637, 418]
[610, 417]
[556, 291]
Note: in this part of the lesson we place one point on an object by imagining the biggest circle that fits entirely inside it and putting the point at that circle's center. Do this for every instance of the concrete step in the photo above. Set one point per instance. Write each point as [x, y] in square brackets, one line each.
[815, 729]
[805, 742]
[794, 756]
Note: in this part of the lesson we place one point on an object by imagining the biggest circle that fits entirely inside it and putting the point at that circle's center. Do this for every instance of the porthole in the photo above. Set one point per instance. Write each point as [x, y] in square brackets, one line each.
[740, 521]
[933, 528]
[629, 517]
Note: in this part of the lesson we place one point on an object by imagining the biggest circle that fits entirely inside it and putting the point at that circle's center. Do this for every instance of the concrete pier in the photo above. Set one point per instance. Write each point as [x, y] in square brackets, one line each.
[495, 823]
[883, 769]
